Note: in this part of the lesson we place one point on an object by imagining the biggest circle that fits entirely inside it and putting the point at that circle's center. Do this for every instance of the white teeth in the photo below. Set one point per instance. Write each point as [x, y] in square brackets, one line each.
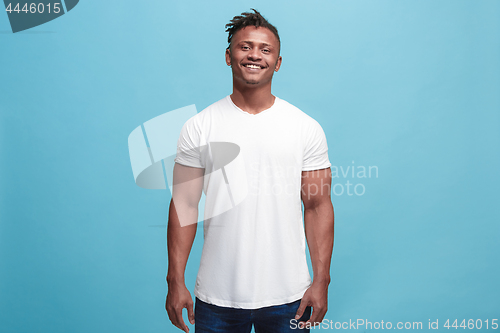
[253, 66]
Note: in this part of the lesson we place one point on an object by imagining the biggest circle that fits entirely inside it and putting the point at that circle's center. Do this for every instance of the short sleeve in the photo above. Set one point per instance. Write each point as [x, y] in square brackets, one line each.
[188, 146]
[316, 149]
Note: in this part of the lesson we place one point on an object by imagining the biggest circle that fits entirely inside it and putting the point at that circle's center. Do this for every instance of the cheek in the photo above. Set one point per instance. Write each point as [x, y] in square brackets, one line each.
[234, 58]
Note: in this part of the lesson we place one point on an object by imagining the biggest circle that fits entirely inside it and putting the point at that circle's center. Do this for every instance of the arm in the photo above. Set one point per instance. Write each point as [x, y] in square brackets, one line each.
[318, 222]
[181, 230]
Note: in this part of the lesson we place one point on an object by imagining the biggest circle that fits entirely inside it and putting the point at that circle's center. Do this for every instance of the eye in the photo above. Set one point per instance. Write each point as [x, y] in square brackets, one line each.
[266, 50]
[245, 48]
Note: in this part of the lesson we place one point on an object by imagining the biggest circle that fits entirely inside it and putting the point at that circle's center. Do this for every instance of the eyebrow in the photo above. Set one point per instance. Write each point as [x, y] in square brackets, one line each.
[250, 42]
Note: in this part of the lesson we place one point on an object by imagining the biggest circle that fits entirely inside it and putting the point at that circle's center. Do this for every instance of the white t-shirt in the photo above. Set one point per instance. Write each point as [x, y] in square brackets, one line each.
[254, 253]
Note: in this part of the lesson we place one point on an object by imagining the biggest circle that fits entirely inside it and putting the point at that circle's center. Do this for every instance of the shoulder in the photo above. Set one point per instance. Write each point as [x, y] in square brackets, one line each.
[203, 117]
[304, 119]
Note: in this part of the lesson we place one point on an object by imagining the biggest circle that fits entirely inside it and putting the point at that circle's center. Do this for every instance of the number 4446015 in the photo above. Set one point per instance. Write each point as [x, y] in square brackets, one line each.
[472, 324]
[34, 8]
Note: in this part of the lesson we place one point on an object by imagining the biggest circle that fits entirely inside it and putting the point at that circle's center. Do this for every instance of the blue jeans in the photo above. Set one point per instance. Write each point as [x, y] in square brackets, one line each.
[211, 318]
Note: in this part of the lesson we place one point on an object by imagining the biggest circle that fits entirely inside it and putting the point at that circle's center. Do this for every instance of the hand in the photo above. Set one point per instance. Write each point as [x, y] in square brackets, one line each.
[317, 297]
[178, 298]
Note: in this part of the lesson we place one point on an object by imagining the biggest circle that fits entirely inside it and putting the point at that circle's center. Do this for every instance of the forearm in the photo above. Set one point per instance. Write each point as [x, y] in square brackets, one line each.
[179, 241]
[319, 228]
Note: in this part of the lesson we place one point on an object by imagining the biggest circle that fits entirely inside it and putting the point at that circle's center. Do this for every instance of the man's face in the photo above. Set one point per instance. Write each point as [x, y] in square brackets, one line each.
[253, 56]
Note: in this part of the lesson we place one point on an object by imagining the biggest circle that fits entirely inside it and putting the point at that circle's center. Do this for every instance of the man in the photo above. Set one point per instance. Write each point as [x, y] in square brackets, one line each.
[253, 269]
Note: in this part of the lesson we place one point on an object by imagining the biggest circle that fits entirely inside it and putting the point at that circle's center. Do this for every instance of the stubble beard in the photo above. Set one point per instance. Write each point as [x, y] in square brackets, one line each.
[252, 83]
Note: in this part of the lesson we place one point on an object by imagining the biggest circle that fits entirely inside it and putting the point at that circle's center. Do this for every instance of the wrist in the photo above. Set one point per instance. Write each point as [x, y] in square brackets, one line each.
[173, 280]
[322, 279]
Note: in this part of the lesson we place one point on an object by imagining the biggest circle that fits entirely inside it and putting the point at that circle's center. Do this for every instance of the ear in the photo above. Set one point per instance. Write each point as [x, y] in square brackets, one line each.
[228, 56]
[278, 64]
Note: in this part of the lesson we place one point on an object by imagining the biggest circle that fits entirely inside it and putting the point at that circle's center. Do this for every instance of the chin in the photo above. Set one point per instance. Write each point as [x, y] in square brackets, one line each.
[252, 83]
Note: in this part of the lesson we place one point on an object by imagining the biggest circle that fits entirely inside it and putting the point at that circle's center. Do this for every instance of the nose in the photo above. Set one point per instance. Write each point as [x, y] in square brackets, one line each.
[254, 54]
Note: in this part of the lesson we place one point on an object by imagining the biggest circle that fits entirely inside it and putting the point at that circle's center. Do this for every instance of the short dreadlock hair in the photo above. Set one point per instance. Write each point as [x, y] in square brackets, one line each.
[249, 19]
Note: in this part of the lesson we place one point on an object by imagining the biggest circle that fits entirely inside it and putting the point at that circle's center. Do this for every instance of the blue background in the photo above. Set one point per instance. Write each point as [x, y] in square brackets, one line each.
[411, 87]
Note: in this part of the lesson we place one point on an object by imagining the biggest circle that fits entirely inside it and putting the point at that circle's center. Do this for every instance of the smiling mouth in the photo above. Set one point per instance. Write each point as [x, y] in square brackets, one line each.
[253, 66]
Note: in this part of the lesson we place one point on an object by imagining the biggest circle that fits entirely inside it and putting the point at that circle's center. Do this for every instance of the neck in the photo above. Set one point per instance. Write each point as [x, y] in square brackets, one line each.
[251, 99]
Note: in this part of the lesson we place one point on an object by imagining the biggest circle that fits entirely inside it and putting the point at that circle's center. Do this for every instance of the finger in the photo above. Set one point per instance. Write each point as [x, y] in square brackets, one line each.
[301, 309]
[190, 313]
[317, 315]
[171, 314]
[174, 319]
[321, 315]
[180, 321]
